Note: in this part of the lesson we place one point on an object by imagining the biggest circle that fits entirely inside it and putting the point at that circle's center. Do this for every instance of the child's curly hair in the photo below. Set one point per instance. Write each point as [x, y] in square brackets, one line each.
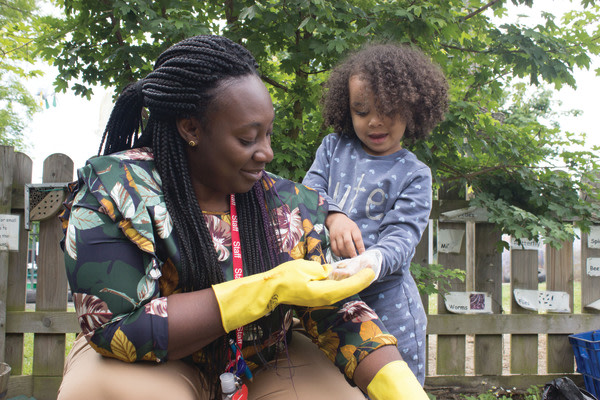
[403, 80]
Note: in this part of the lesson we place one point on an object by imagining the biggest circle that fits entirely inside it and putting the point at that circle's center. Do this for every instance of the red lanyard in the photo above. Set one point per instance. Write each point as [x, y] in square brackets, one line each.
[236, 250]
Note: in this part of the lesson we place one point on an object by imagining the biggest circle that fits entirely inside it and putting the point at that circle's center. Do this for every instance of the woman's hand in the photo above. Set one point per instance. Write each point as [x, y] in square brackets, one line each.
[344, 235]
[298, 282]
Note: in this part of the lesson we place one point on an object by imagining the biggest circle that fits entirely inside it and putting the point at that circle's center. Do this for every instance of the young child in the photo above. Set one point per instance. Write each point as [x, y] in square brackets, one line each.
[379, 193]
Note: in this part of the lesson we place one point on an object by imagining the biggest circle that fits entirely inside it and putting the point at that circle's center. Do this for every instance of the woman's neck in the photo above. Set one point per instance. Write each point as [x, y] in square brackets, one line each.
[214, 204]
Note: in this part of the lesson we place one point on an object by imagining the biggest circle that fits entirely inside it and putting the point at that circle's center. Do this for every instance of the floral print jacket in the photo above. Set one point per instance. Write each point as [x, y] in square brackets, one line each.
[121, 258]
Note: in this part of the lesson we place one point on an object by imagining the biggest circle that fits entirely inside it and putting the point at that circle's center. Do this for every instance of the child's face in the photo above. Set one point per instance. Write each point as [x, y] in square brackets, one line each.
[380, 135]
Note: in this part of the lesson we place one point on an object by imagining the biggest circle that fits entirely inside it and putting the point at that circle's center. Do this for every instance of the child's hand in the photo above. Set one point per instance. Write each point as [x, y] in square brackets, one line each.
[346, 268]
[344, 234]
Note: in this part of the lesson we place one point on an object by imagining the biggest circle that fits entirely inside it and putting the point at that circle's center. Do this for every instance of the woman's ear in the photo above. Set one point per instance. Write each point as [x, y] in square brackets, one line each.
[189, 129]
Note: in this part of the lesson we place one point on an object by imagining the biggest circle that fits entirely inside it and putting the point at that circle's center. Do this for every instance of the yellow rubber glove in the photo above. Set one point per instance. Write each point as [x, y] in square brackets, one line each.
[298, 282]
[395, 381]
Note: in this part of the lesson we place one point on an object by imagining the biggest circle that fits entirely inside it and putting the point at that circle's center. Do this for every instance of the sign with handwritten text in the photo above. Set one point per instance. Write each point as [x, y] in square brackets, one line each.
[525, 244]
[9, 232]
[593, 266]
[450, 240]
[468, 302]
[594, 237]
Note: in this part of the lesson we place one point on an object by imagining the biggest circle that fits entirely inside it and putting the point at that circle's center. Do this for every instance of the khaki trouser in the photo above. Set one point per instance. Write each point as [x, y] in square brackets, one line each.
[312, 376]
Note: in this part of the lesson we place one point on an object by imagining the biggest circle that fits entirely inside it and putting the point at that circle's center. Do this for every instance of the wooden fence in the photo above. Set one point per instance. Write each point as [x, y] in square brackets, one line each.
[467, 353]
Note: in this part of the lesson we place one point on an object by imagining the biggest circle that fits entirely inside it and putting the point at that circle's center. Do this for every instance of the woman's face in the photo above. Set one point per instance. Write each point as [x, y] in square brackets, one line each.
[234, 145]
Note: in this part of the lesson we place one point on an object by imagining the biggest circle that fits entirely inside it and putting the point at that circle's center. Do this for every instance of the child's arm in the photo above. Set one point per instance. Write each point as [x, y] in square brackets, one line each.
[344, 235]
[402, 226]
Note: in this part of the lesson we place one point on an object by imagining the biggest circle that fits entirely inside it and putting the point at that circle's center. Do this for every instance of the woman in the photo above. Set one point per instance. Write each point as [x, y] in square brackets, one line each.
[181, 250]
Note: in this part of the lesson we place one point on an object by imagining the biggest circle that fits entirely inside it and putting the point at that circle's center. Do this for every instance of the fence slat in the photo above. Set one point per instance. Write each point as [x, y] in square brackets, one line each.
[559, 277]
[523, 348]
[7, 161]
[49, 349]
[17, 272]
[519, 324]
[488, 278]
[451, 349]
[42, 322]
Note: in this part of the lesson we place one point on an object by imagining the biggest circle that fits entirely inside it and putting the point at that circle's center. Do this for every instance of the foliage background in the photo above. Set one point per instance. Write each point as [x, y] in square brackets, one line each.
[16, 48]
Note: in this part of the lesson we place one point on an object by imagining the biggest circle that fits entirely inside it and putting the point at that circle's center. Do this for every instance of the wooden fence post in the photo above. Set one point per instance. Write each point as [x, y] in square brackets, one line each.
[17, 272]
[488, 278]
[49, 349]
[524, 275]
[559, 277]
[7, 161]
[451, 349]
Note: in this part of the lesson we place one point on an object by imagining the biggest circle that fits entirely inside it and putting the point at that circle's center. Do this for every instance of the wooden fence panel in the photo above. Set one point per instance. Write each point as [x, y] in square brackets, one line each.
[559, 277]
[17, 272]
[49, 349]
[488, 278]
[524, 275]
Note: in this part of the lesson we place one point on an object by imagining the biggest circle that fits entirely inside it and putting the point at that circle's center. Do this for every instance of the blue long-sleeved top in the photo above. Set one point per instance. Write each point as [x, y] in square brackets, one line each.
[388, 197]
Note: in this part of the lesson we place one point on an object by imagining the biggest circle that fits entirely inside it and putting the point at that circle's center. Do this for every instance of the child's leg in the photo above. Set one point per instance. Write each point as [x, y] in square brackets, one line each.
[401, 310]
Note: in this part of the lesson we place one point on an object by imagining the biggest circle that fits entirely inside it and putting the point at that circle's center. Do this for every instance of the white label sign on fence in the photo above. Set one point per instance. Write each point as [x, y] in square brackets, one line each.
[593, 266]
[543, 300]
[466, 214]
[468, 302]
[594, 304]
[525, 244]
[594, 237]
[450, 240]
[9, 232]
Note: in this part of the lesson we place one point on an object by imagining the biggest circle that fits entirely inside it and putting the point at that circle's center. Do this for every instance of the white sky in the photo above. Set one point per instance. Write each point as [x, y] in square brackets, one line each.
[75, 125]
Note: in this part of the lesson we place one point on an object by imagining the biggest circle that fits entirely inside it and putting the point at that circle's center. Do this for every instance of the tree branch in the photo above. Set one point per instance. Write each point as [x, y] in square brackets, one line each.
[5, 53]
[479, 10]
[274, 83]
[13, 7]
[449, 46]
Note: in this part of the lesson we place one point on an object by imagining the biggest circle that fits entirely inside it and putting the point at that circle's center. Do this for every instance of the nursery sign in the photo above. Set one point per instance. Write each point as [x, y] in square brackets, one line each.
[543, 300]
[450, 240]
[466, 214]
[468, 302]
[594, 237]
[593, 266]
[525, 244]
[9, 232]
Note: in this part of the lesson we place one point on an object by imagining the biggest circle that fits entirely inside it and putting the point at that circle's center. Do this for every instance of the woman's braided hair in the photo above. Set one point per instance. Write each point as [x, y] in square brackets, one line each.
[185, 80]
